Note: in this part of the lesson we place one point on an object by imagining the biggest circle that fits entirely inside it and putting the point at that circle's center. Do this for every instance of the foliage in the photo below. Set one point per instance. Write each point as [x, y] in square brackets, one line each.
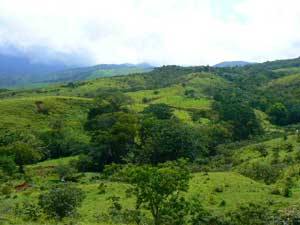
[251, 214]
[160, 111]
[7, 165]
[113, 138]
[239, 116]
[157, 187]
[261, 171]
[22, 153]
[278, 114]
[61, 200]
[164, 140]
[65, 172]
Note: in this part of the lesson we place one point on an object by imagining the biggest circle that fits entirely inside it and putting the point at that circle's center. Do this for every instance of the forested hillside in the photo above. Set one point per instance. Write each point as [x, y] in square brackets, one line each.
[173, 145]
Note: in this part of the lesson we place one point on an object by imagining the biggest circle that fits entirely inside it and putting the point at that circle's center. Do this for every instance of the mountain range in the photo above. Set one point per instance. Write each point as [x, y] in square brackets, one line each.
[18, 71]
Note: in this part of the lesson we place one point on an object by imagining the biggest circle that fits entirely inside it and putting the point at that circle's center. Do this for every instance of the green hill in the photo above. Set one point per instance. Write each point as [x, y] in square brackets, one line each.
[236, 126]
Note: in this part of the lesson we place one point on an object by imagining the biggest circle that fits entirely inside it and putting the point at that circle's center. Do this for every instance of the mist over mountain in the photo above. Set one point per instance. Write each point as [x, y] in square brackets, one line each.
[22, 71]
[19, 65]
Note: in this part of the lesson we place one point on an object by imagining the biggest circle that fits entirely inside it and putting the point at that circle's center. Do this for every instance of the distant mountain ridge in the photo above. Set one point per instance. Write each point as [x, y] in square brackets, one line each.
[18, 71]
[101, 70]
[233, 64]
[18, 65]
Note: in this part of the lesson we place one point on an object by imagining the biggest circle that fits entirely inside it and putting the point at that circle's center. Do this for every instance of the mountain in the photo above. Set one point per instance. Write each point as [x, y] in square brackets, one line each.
[17, 65]
[16, 70]
[101, 70]
[233, 64]
[19, 71]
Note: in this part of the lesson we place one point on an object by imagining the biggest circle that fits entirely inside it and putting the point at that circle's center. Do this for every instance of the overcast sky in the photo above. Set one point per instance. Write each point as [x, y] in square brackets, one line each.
[185, 32]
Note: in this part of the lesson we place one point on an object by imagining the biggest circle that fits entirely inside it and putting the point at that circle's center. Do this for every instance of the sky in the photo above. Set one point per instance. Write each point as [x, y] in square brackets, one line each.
[160, 32]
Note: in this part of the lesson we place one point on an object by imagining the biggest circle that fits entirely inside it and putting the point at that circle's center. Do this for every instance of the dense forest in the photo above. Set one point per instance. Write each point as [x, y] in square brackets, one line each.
[174, 145]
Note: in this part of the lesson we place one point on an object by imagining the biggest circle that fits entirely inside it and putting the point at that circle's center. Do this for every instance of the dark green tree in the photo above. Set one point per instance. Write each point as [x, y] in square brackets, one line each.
[160, 111]
[241, 118]
[164, 140]
[22, 154]
[278, 114]
[113, 137]
[61, 201]
[8, 165]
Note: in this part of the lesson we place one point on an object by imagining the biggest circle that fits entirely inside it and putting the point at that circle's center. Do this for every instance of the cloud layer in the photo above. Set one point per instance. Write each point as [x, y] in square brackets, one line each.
[159, 32]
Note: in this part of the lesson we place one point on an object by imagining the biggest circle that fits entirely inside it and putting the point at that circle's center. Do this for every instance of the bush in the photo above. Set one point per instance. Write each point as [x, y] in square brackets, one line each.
[102, 188]
[160, 111]
[8, 165]
[7, 189]
[262, 149]
[261, 171]
[290, 215]
[275, 191]
[65, 173]
[251, 214]
[61, 201]
[218, 189]
[31, 211]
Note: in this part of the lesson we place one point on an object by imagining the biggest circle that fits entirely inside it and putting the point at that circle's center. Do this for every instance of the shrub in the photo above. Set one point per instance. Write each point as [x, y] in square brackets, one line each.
[160, 111]
[102, 188]
[65, 172]
[251, 214]
[290, 215]
[262, 149]
[31, 211]
[219, 189]
[275, 191]
[222, 203]
[7, 165]
[61, 201]
[261, 171]
[7, 190]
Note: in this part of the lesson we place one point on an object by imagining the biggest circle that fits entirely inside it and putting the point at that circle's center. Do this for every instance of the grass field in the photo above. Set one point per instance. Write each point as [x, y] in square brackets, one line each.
[219, 192]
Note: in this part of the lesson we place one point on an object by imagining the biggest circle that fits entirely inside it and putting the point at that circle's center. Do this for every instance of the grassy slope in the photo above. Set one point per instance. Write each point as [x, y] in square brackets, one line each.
[249, 154]
[287, 88]
[63, 102]
[21, 114]
[236, 189]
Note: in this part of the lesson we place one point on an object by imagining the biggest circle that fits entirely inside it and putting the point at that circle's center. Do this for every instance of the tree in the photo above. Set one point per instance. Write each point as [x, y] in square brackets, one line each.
[163, 140]
[63, 141]
[22, 154]
[278, 114]
[61, 201]
[160, 111]
[157, 187]
[7, 165]
[113, 137]
[241, 117]
[108, 102]
[294, 113]
[65, 172]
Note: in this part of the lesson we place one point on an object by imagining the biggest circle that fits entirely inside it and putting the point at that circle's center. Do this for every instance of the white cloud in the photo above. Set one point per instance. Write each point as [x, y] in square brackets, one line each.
[155, 31]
